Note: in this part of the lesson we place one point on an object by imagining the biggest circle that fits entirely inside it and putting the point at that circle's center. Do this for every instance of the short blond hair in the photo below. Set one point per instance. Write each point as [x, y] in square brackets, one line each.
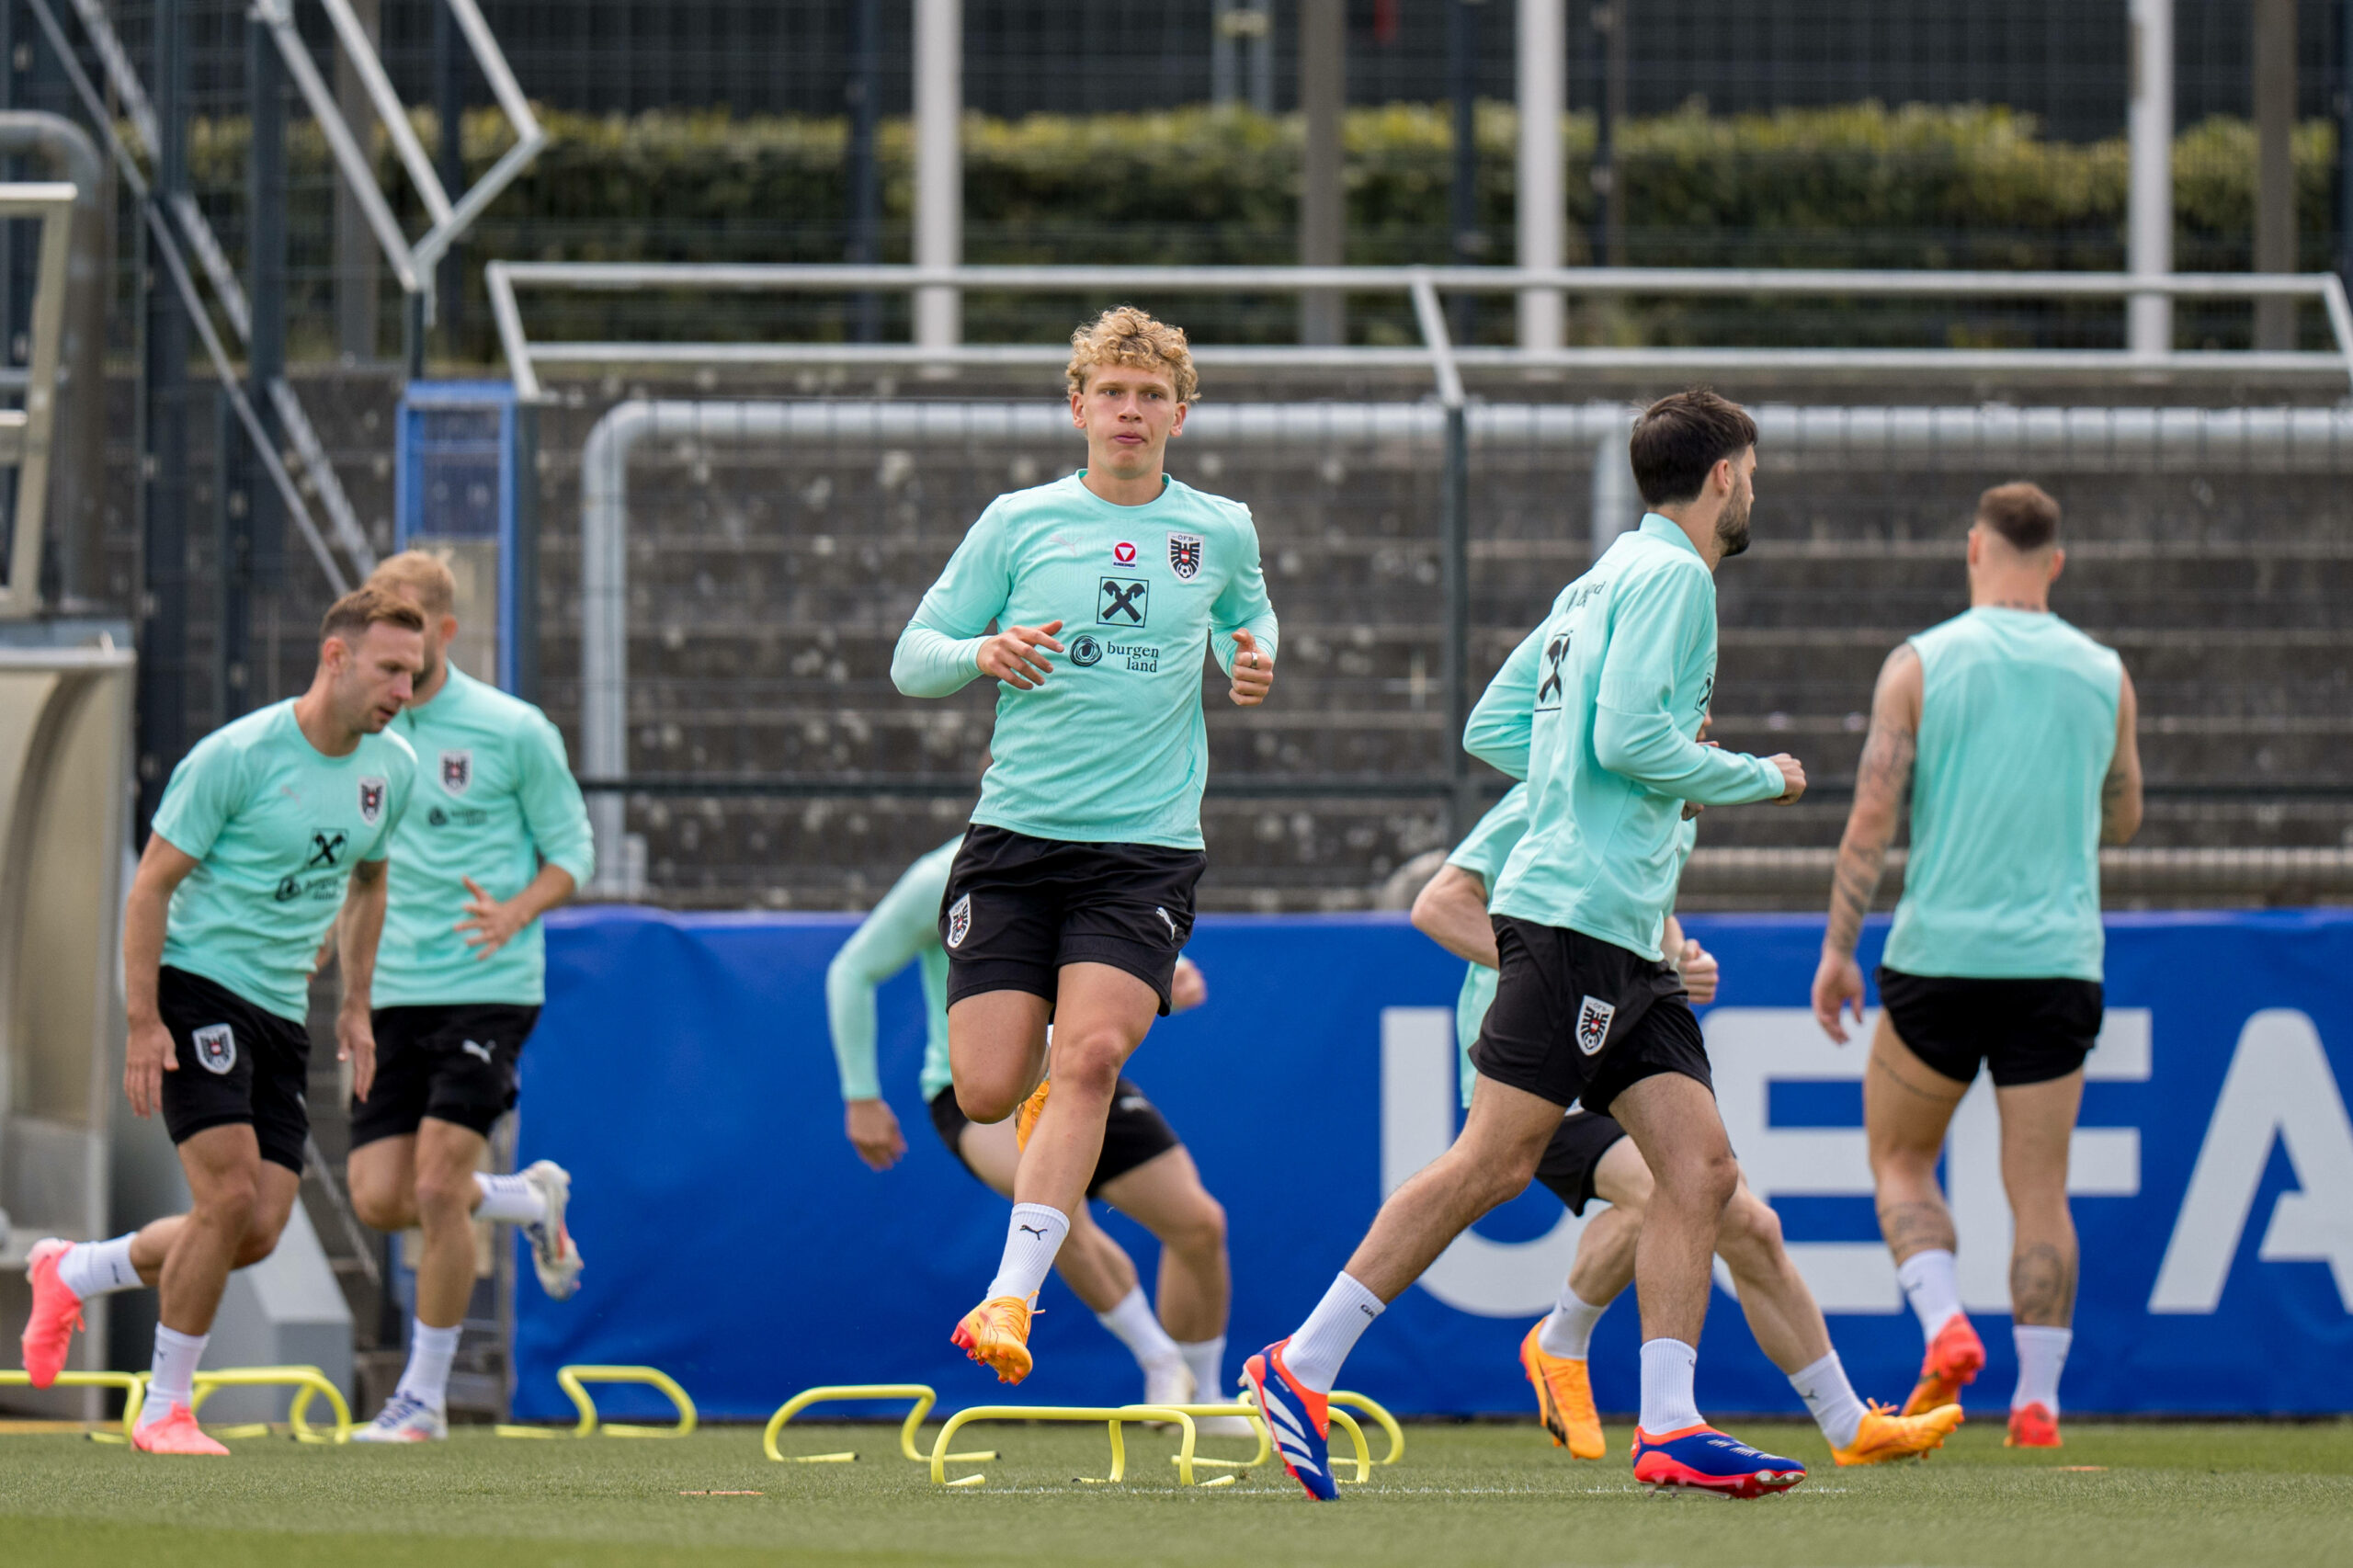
[420, 575]
[1125, 335]
[350, 617]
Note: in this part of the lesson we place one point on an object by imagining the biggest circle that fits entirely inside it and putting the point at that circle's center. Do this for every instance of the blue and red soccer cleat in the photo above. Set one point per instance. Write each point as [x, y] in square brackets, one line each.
[1701, 1459]
[1299, 1420]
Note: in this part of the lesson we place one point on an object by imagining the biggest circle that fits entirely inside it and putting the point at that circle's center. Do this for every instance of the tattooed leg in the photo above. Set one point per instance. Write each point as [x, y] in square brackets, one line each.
[1906, 1107]
[2038, 1120]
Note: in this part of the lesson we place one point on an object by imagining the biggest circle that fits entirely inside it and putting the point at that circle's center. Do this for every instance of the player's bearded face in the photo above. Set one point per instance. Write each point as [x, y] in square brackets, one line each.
[1732, 523]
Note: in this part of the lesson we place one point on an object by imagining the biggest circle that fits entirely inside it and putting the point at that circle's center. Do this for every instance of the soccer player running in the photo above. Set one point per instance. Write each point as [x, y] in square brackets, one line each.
[2014, 732]
[263, 827]
[1597, 709]
[1590, 1156]
[1072, 893]
[1144, 1170]
[499, 836]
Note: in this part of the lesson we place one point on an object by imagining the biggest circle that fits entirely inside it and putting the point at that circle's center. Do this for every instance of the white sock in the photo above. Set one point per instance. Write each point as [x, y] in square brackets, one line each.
[1331, 1331]
[1668, 1402]
[173, 1379]
[1032, 1237]
[1567, 1330]
[1139, 1330]
[2042, 1355]
[1931, 1288]
[1207, 1359]
[509, 1198]
[1828, 1394]
[430, 1350]
[99, 1268]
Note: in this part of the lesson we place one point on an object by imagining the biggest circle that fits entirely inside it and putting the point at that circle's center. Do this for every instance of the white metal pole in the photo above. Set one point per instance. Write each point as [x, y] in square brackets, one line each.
[2149, 220]
[1543, 62]
[939, 164]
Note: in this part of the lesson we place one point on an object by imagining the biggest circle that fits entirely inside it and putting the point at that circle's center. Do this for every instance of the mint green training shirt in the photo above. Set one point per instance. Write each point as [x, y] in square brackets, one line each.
[495, 797]
[904, 929]
[2018, 729]
[1111, 748]
[1483, 853]
[275, 828]
[1599, 710]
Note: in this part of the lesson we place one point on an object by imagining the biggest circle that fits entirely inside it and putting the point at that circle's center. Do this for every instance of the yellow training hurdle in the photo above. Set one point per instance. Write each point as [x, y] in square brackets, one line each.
[132, 1384]
[1373, 1408]
[922, 1393]
[1112, 1416]
[572, 1381]
[309, 1381]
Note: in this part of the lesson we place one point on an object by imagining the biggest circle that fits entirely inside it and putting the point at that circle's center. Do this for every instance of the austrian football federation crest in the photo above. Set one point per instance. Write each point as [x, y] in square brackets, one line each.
[372, 800]
[1185, 556]
[457, 771]
[1593, 1025]
[216, 1048]
[960, 921]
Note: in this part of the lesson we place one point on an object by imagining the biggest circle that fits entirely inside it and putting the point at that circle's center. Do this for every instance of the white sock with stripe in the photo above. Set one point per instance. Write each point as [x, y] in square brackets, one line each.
[171, 1379]
[1932, 1287]
[1206, 1359]
[1567, 1329]
[1331, 1331]
[509, 1200]
[425, 1378]
[99, 1268]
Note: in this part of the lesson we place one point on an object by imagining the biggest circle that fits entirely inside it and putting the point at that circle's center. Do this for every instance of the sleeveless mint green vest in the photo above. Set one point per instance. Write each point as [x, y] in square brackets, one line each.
[2018, 727]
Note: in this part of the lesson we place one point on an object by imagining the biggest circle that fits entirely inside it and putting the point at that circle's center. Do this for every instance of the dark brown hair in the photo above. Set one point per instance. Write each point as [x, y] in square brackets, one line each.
[2023, 514]
[350, 616]
[1680, 439]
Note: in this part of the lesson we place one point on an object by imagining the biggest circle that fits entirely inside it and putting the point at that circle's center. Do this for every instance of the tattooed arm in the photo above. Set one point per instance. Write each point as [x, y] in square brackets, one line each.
[1880, 786]
[2119, 792]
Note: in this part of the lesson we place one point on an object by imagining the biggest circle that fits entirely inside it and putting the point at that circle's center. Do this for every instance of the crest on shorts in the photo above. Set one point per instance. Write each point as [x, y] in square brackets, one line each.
[1593, 1025]
[960, 921]
[216, 1047]
[457, 771]
[372, 800]
[1185, 556]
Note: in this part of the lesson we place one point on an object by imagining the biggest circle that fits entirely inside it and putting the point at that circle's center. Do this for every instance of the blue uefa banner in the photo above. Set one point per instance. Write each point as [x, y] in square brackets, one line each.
[682, 1071]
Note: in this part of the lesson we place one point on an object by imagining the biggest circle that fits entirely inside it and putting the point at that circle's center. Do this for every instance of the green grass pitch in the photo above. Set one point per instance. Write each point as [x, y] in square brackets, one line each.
[2188, 1495]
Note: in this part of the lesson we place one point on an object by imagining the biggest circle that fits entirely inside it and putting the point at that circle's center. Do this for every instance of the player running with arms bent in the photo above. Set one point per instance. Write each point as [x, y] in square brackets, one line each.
[1599, 710]
[2015, 733]
[498, 837]
[1590, 1156]
[1072, 895]
[1144, 1170]
[263, 827]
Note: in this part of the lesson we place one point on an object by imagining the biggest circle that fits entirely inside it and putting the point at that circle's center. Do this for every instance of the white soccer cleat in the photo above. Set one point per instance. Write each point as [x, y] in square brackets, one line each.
[554, 1254]
[404, 1419]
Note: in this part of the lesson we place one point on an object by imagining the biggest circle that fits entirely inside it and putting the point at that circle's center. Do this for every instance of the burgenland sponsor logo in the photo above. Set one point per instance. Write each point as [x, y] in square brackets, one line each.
[456, 816]
[1085, 650]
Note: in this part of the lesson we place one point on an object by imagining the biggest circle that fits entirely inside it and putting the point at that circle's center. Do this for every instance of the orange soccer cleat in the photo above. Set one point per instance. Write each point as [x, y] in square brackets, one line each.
[2033, 1426]
[1024, 1119]
[1563, 1398]
[996, 1334]
[1954, 1358]
[57, 1313]
[1885, 1436]
[175, 1433]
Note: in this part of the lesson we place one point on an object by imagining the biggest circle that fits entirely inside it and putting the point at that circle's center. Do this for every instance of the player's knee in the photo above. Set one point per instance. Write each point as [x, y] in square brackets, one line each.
[377, 1209]
[1749, 1228]
[444, 1196]
[1200, 1231]
[260, 1240]
[228, 1200]
[985, 1104]
[1089, 1063]
[1703, 1179]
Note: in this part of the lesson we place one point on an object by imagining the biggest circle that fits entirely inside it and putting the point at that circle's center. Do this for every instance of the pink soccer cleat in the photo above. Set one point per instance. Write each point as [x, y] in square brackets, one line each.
[57, 1313]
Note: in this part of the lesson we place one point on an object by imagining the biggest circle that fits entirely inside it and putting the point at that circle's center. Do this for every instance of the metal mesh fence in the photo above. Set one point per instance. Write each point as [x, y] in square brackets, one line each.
[768, 580]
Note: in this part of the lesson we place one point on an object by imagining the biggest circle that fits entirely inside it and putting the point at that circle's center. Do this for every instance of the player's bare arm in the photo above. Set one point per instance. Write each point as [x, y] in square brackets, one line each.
[490, 924]
[1881, 783]
[873, 1130]
[1451, 910]
[1012, 655]
[148, 1054]
[1254, 671]
[362, 925]
[2119, 792]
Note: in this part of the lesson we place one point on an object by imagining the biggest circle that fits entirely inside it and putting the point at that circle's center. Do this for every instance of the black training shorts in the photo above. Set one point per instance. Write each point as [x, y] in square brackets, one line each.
[453, 1063]
[1135, 1131]
[2028, 1031]
[1576, 1019]
[237, 1063]
[1575, 1154]
[1019, 908]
